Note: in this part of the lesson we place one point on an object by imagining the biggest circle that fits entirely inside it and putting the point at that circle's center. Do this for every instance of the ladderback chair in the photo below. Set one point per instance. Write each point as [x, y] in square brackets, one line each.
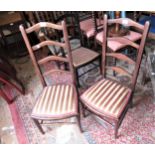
[56, 101]
[109, 98]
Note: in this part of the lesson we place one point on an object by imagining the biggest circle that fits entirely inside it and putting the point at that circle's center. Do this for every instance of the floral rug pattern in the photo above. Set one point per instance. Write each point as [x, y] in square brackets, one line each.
[138, 125]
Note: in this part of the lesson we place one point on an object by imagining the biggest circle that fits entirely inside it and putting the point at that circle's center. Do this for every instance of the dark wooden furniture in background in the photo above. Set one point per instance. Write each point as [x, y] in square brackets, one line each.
[57, 101]
[8, 77]
[9, 31]
[109, 99]
[56, 17]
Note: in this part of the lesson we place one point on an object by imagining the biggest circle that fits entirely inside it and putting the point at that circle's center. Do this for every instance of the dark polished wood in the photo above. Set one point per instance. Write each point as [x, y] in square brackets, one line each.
[47, 58]
[8, 18]
[117, 30]
[99, 110]
[11, 37]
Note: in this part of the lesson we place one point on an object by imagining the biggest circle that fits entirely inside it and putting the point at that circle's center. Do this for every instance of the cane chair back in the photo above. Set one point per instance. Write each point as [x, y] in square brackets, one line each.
[109, 98]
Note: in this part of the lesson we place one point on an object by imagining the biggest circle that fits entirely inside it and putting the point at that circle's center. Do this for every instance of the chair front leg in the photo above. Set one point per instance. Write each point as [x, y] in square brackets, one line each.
[131, 101]
[38, 125]
[116, 129]
[79, 122]
[88, 43]
[114, 63]
[77, 77]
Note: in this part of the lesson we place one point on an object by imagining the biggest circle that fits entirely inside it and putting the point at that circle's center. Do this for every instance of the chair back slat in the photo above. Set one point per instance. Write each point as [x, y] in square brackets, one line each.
[53, 71]
[43, 25]
[137, 46]
[126, 22]
[119, 70]
[65, 45]
[48, 43]
[125, 41]
[121, 57]
[52, 58]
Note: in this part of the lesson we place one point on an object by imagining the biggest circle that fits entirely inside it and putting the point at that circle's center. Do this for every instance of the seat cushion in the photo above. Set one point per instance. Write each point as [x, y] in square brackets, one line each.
[82, 56]
[87, 27]
[114, 45]
[107, 98]
[56, 102]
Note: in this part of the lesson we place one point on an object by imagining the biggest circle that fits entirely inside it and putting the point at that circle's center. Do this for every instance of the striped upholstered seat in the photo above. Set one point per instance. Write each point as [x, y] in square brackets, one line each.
[107, 98]
[113, 45]
[57, 101]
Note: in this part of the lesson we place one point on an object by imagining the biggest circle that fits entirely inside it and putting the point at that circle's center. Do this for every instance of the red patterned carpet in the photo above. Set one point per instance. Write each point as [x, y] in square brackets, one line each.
[137, 127]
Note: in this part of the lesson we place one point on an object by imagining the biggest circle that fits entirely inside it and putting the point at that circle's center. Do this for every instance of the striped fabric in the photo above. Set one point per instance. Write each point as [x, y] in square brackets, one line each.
[107, 97]
[114, 45]
[56, 102]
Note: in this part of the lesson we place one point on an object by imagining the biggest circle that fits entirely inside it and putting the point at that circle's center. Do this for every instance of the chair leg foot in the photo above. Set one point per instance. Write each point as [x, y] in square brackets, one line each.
[79, 123]
[38, 125]
[131, 105]
[131, 102]
[83, 110]
[116, 130]
[77, 78]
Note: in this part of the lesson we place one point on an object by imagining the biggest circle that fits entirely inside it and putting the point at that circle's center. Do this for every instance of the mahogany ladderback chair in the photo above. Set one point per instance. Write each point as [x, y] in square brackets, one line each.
[109, 98]
[56, 101]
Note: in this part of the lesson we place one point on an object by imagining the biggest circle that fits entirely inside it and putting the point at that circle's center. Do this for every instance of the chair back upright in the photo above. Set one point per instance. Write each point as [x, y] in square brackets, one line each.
[32, 49]
[139, 47]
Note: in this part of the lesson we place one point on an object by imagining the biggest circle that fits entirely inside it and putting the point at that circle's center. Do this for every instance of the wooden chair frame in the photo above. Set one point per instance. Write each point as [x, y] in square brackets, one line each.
[36, 63]
[133, 76]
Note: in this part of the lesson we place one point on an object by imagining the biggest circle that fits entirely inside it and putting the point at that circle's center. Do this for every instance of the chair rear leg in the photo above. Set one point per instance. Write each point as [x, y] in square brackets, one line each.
[114, 63]
[116, 130]
[88, 42]
[77, 77]
[95, 44]
[131, 101]
[83, 110]
[38, 125]
[79, 123]
[100, 64]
